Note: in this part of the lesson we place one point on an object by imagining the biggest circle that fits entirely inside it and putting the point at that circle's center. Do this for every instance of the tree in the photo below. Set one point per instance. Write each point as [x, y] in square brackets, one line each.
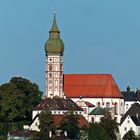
[70, 125]
[110, 125]
[130, 135]
[46, 124]
[17, 99]
[96, 132]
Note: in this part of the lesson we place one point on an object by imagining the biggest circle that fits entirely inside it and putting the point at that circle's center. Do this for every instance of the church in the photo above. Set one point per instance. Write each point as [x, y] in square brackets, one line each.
[88, 95]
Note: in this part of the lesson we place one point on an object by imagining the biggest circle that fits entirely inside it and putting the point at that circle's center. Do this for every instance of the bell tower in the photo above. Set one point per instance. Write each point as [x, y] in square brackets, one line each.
[54, 49]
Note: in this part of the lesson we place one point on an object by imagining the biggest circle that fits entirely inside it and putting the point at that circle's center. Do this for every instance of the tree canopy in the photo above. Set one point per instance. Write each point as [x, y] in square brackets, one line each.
[110, 125]
[70, 125]
[46, 124]
[130, 135]
[17, 99]
[96, 132]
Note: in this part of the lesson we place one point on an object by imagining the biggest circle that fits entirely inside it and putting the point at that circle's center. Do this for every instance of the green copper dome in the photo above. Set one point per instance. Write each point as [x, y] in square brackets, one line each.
[54, 44]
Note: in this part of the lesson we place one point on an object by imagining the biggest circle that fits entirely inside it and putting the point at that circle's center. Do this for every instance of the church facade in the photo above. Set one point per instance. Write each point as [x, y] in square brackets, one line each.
[97, 89]
[88, 95]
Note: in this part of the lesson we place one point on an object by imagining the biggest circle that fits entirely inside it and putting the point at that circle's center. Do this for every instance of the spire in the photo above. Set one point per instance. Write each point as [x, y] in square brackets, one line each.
[54, 25]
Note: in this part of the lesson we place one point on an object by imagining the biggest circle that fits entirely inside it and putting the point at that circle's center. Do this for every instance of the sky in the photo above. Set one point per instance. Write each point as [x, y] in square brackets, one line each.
[100, 36]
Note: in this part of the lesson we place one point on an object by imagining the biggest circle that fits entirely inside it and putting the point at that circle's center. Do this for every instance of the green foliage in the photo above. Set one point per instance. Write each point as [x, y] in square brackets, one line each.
[70, 125]
[84, 133]
[110, 125]
[97, 132]
[46, 124]
[17, 99]
[130, 135]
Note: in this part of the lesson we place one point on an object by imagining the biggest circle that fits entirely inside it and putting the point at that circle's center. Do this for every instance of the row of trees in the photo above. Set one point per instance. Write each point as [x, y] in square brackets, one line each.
[17, 99]
[69, 124]
[107, 128]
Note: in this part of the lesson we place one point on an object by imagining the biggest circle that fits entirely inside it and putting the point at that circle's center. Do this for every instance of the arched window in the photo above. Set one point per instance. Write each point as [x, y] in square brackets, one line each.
[85, 110]
[50, 67]
[108, 105]
[92, 119]
[50, 75]
[98, 104]
[116, 108]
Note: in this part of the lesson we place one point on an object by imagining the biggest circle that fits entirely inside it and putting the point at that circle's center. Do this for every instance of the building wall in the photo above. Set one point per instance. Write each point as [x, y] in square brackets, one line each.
[54, 75]
[104, 102]
[127, 125]
[34, 125]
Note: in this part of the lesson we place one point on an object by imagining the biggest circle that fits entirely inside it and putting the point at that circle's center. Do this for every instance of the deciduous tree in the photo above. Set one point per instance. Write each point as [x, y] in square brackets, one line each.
[97, 132]
[70, 125]
[46, 124]
[110, 125]
[130, 135]
[17, 99]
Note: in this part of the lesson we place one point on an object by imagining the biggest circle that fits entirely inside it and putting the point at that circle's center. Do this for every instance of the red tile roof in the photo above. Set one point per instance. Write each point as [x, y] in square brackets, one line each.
[91, 85]
[58, 118]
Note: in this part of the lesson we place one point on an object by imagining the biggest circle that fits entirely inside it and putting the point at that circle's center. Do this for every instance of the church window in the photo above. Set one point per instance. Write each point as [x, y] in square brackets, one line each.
[50, 67]
[61, 81]
[92, 119]
[36, 124]
[125, 129]
[116, 108]
[61, 73]
[85, 110]
[50, 81]
[98, 104]
[50, 75]
[108, 105]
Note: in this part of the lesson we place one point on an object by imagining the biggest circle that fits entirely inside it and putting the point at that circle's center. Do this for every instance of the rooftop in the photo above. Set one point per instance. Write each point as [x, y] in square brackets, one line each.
[58, 104]
[91, 86]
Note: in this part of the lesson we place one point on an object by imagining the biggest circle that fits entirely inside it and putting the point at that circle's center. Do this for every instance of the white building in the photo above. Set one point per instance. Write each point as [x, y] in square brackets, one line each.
[131, 120]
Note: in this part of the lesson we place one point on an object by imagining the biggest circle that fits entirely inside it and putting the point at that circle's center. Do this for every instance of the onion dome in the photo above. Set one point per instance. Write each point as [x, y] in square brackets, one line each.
[54, 44]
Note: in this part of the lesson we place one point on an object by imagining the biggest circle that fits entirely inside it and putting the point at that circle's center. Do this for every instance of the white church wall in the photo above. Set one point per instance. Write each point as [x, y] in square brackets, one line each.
[104, 102]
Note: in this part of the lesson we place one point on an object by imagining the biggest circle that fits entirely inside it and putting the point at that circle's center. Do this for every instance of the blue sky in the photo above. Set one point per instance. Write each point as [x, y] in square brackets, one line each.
[100, 36]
